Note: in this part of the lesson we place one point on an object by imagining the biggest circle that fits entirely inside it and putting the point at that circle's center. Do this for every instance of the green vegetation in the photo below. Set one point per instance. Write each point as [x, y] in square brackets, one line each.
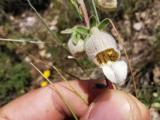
[14, 75]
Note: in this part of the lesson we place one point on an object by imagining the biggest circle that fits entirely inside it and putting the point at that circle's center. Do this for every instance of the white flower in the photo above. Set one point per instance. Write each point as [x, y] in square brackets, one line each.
[102, 49]
[116, 72]
[98, 42]
[76, 48]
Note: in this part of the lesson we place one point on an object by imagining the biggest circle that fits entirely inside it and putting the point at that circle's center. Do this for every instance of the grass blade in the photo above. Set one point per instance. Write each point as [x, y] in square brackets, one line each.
[55, 37]
[65, 80]
[120, 39]
[21, 41]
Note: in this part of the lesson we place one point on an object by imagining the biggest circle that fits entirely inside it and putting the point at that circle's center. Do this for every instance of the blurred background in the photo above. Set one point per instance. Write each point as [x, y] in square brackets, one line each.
[138, 21]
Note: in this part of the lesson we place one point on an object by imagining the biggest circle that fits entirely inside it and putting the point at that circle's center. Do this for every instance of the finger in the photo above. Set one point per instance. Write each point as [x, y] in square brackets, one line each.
[116, 105]
[45, 103]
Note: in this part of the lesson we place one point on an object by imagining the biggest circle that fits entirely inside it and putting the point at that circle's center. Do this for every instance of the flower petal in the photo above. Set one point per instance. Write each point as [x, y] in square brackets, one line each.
[120, 69]
[116, 72]
[109, 73]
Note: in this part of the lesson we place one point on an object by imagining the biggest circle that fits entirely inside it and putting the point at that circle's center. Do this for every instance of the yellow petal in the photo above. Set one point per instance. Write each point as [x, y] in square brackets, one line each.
[43, 84]
[47, 73]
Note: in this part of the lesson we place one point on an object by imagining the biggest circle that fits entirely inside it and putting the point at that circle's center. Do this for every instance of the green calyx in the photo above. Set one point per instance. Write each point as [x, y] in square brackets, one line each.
[82, 32]
[77, 33]
[100, 25]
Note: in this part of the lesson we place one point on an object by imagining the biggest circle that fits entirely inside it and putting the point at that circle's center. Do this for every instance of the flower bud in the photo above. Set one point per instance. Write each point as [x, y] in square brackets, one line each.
[101, 47]
[76, 48]
[106, 5]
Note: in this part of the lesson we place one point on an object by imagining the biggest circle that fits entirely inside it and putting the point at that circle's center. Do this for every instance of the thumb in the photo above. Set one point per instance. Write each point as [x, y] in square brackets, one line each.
[116, 105]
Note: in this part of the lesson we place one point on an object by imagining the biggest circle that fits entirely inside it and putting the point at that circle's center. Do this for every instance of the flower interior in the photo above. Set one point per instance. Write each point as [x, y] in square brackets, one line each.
[107, 55]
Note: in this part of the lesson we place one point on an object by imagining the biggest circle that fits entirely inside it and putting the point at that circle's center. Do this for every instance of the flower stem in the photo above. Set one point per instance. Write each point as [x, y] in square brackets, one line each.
[84, 11]
[95, 10]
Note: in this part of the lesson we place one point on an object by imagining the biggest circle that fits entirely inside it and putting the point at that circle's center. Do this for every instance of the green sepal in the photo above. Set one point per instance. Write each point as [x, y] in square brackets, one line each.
[75, 37]
[67, 31]
[103, 24]
[82, 30]
[93, 21]
[77, 33]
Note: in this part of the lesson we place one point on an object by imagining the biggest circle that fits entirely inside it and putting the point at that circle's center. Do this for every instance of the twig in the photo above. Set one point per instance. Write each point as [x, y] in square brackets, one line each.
[57, 91]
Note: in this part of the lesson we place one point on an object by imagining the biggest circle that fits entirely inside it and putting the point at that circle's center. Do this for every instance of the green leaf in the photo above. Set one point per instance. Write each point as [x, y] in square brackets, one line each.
[93, 21]
[67, 31]
[103, 24]
[82, 30]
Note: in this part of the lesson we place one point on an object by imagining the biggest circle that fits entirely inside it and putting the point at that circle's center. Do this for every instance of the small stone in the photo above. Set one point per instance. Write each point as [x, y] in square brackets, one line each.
[70, 57]
[11, 18]
[27, 24]
[41, 46]
[42, 53]
[30, 21]
[156, 75]
[53, 23]
[155, 94]
[143, 15]
[27, 59]
[138, 26]
[48, 55]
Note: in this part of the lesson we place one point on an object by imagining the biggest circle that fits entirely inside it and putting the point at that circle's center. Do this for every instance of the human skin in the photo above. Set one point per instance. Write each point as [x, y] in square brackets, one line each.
[103, 104]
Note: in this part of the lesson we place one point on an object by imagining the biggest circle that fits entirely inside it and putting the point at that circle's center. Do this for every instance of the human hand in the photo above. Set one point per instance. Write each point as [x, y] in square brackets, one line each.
[45, 104]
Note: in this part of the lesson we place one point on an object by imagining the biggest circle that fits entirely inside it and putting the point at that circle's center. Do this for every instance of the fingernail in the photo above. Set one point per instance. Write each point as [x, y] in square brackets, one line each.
[89, 112]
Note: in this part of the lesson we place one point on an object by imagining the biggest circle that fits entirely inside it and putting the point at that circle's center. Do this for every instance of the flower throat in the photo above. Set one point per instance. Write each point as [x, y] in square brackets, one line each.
[107, 55]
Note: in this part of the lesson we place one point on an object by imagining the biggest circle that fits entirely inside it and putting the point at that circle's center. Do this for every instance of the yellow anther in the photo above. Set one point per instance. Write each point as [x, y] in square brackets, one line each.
[107, 55]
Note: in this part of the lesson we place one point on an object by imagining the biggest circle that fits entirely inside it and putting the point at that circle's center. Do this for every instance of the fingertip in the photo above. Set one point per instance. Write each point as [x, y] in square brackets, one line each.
[115, 105]
[143, 109]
